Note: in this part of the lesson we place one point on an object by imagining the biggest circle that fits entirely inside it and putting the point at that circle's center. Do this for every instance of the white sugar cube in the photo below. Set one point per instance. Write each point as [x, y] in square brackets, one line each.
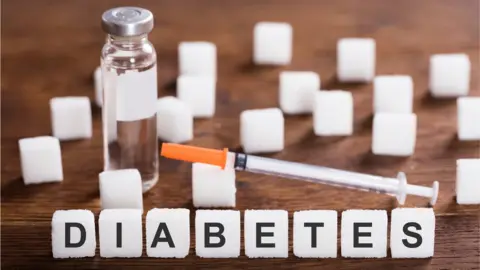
[213, 186]
[197, 58]
[174, 120]
[364, 234]
[198, 92]
[468, 181]
[41, 160]
[333, 113]
[315, 234]
[272, 43]
[217, 233]
[73, 234]
[121, 189]
[297, 89]
[449, 75]
[412, 233]
[468, 114]
[262, 130]
[266, 233]
[71, 117]
[394, 134]
[355, 59]
[168, 233]
[393, 94]
[120, 233]
[97, 80]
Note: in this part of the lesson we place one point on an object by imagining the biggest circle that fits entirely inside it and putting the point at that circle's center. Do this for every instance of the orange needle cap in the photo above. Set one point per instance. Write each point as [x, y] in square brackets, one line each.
[195, 154]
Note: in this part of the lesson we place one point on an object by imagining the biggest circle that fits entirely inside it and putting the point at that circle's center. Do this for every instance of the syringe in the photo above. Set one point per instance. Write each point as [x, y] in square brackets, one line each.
[397, 187]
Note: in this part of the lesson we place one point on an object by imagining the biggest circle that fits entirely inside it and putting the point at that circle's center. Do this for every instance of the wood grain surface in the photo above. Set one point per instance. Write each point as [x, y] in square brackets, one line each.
[51, 48]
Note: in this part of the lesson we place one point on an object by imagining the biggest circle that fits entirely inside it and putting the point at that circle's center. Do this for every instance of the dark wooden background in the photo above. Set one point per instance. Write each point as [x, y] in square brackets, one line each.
[50, 48]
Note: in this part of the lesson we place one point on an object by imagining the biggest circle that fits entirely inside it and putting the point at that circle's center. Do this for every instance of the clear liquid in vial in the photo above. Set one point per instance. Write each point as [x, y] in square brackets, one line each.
[135, 145]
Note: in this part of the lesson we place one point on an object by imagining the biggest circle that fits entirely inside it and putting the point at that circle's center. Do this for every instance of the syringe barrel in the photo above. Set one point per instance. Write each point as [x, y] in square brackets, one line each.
[319, 174]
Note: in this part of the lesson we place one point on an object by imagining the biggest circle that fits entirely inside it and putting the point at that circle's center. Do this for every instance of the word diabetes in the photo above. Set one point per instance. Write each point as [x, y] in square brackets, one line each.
[363, 233]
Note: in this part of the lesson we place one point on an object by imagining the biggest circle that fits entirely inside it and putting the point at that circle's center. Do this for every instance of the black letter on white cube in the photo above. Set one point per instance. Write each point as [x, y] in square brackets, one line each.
[168, 238]
[313, 226]
[357, 234]
[261, 234]
[415, 235]
[218, 234]
[83, 235]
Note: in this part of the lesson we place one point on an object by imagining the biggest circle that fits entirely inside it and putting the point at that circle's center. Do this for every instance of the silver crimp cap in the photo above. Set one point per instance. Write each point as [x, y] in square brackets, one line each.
[127, 21]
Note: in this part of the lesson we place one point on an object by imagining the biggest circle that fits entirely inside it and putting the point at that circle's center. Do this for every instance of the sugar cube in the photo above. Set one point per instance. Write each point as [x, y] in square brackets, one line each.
[121, 189]
[41, 160]
[217, 233]
[272, 43]
[71, 117]
[394, 134]
[355, 59]
[364, 233]
[266, 233]
[213, 186]
[393, 94]
[262, 130]
[120, 233]
[73, 234]
[198, 92]
[333, 113]
[449, 75]
[468, 114]
[174, 120]
[315, 234]
[197, 58]
[468, 181]
[297, 89]
[412, 233]
[97, 80]
[168, 233]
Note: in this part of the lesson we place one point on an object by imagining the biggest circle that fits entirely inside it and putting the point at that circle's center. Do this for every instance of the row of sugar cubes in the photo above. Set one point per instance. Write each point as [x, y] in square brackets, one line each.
[266, 233]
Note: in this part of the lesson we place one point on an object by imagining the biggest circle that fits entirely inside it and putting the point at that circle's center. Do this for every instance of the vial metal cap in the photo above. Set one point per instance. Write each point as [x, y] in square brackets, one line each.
[127, 21]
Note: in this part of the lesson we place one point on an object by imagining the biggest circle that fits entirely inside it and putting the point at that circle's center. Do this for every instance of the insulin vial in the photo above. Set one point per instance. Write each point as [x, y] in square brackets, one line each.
[130, 93]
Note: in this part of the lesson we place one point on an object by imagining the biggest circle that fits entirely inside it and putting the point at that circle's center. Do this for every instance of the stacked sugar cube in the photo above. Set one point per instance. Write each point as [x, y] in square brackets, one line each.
[197, 80]
[394, 123]
[196, 92]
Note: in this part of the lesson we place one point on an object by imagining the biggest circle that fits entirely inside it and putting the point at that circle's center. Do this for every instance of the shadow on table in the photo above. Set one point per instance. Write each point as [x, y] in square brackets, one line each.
[170, 86]
[456, 145]
[333, 83]
[15, 188]
[371, 160]
[250, 67]
[430, 102]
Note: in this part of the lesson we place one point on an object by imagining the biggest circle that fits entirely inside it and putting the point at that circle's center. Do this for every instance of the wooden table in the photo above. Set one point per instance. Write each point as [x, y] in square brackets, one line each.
[50, 48]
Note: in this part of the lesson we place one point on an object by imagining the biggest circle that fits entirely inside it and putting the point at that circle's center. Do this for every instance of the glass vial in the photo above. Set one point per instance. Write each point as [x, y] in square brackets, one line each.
[129, 74]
